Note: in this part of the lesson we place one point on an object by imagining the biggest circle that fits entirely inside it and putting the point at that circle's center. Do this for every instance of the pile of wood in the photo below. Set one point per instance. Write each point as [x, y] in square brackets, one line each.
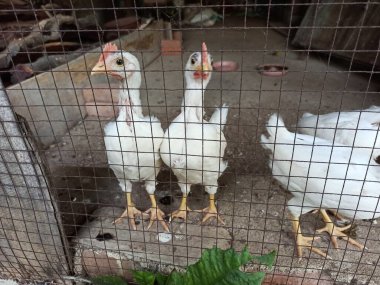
[38, 37]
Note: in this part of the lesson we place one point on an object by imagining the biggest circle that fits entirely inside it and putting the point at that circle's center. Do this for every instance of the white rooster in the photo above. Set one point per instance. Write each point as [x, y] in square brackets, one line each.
[323, 175]
[193, 147]
[133, 140]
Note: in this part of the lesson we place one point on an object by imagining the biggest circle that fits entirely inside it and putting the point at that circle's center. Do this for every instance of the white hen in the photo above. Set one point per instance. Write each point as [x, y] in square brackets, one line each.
[193, 147]
[133, 140]
[323, 175]
[355, 128]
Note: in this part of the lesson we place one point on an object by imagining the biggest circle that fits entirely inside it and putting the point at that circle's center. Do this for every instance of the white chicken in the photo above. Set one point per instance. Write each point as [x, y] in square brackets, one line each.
[193, 147]
[355, 128]
[133, 140]
[323, 175]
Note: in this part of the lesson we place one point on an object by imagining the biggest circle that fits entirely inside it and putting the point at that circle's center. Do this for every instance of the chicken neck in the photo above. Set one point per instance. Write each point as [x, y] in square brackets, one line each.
[193, 102]
[129, 96]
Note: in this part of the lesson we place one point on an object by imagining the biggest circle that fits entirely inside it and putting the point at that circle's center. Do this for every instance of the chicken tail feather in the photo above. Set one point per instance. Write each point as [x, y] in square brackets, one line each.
[219, 117]
[276, 129]
[307, 115]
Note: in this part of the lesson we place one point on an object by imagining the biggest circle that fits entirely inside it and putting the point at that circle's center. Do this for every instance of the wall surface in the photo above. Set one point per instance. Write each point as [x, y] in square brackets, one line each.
[52, 102]
[350, 30]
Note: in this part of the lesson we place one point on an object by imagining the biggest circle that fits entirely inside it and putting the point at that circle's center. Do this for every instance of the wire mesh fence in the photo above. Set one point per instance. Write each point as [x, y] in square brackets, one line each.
[137, 134]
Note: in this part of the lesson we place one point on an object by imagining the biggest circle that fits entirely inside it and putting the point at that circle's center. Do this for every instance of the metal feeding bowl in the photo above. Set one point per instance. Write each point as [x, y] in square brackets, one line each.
[273, 69]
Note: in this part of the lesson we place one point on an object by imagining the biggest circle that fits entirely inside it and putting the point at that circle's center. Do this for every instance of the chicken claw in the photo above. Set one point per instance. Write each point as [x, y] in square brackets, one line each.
[303, 242]
[211, 211]
[130, 213]
[336, 232]
[157, 215]
[181, 213]
[307, 242]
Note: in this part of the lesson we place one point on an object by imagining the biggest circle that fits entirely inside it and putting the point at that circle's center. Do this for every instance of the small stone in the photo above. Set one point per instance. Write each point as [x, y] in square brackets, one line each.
[52, 145]
[180, 237]
[164, 237]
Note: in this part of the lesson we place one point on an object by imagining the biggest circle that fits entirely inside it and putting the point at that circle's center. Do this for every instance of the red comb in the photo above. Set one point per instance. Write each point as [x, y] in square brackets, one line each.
[107, 49]
[204, 53]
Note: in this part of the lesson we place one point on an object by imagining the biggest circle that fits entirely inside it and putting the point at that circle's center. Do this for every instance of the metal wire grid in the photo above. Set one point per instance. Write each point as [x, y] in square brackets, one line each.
[359, 266]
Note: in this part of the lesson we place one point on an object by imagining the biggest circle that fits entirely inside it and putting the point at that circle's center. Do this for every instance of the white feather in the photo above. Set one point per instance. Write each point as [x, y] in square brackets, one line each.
[193, 147]
[133, 140]
[321, 174]
[356, 128]
[133, 150]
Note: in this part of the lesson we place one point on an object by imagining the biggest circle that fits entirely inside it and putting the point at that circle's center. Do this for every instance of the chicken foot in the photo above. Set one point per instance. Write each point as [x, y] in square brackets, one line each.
[156, 214]
[303, 242]
[182, 210]
[211, 211]
[336, 232]
[130, 213]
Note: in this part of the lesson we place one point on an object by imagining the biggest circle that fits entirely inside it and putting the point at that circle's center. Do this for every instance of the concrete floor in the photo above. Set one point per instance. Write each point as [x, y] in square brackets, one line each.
[252, 205]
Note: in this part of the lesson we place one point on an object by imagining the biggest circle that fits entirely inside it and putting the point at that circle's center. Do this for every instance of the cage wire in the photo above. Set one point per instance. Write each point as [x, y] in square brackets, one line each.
[116, 114]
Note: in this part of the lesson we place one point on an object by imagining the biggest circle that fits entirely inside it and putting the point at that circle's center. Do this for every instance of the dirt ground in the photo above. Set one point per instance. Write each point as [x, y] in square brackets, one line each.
[252, 205]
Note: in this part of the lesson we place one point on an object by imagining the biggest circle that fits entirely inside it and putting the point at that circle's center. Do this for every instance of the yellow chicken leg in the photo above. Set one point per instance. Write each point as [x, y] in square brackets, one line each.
[303, 242]
[336, 232]
[156, 214]
[131, 212]
[182, 210]
[211, 211]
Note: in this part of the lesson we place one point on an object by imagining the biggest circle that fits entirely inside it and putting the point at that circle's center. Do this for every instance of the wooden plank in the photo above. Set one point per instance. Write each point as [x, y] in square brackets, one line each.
[356, 37]
[52, 102]
[31, 242]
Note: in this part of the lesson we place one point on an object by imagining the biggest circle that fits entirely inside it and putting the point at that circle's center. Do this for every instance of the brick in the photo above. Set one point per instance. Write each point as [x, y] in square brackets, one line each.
[101, 93]
[99, 263]
[102, 109]
[177, 35]
[307, 279]
[127, 266]
[171, 47]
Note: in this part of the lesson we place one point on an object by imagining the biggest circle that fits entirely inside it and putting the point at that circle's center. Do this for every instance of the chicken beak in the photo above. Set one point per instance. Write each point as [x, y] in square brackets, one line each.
[100, 67]
[205, 65]
[203, 70]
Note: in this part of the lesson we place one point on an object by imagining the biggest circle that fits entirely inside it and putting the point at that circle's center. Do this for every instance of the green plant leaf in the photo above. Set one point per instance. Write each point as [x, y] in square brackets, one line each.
[144, 277]
[176, 278]
[161, 279]
[108, 280]
[266, 259]
[220, 267]
[216, 267]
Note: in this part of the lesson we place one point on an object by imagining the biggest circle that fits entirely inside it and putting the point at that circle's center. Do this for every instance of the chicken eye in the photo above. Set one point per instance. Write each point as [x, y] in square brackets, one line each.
[119, 61]
[193, 61]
